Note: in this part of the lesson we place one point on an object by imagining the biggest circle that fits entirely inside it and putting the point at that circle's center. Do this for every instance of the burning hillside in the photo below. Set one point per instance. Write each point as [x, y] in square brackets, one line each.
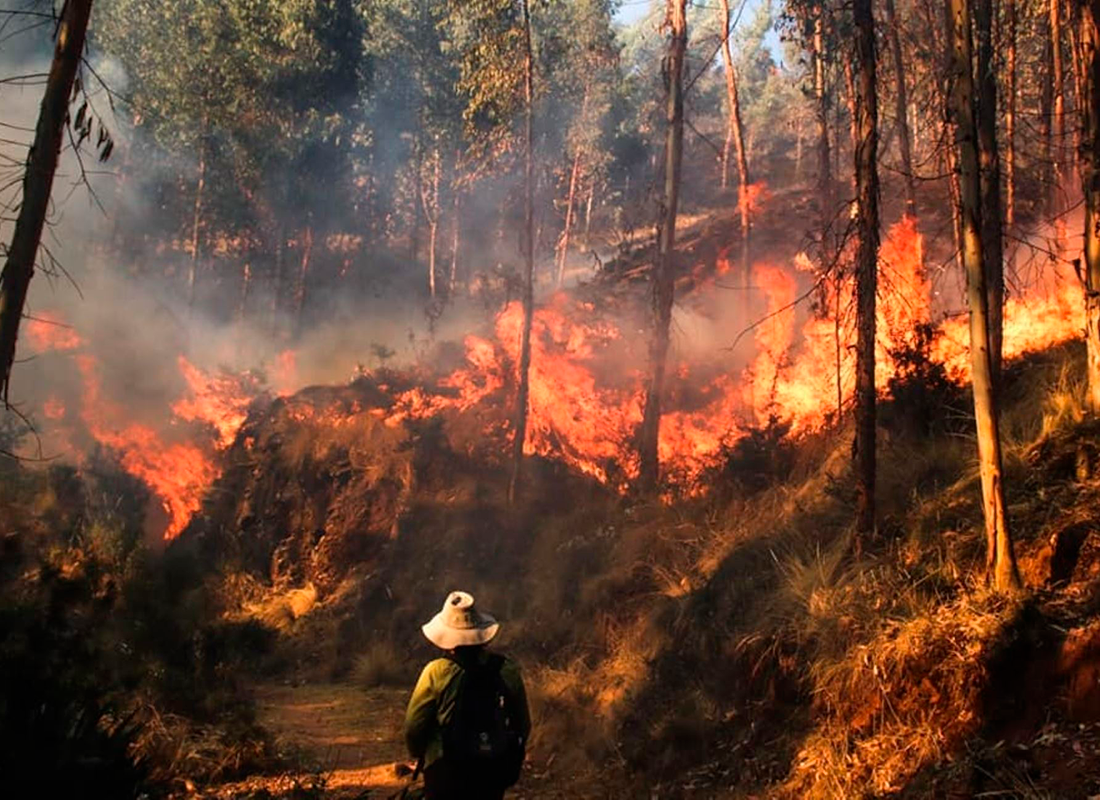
[587, 383]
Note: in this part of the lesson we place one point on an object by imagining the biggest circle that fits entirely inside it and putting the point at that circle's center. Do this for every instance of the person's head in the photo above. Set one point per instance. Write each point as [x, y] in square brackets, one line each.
[459, 626]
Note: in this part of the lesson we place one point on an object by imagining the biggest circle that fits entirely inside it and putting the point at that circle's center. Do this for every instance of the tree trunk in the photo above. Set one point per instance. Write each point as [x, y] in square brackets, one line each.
[453, 277]
[992, 226]
[196, 222]
[38, 180]
[665, 269]
[866, 168]
[246, 284]
[528, 254]
[1078, 100]
[588, 211]
[1057, 120]
[853, 116]
[1010, 112]
[414, 240]
[1000, 561]
[901, 106]
[574, 173]
[277, 277]
[735, 131]
[430, 202]
[1089, 41]
[824, 169]
[303, 273]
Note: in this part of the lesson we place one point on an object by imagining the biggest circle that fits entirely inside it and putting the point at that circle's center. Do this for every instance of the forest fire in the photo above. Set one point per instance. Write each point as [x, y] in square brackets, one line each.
[585, 398]
[179, 465]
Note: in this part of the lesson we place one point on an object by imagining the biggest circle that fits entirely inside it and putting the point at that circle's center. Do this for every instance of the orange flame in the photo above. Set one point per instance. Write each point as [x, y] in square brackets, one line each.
[178, 473]
[217, 400]
[47, 331]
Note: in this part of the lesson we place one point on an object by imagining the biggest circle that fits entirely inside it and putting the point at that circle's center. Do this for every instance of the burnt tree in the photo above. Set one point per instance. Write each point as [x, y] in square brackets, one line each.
[664, 268]
[867, 223]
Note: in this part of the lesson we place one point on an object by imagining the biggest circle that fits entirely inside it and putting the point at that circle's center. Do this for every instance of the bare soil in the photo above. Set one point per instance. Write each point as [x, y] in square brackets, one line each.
[344, 742]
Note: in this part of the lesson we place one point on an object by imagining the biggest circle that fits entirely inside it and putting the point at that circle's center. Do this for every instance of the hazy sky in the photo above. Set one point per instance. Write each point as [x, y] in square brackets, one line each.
[630, 11]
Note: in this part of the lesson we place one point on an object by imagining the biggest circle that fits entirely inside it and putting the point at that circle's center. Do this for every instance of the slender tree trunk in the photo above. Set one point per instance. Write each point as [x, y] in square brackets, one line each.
[1078, 88]
[430, 202]
[735, 133]
[901, 106]
[303, 275]
[414, 240]
[1010, 112]
[665, 268]
[821, 104]
[989, 159]
[1000, 561]
[563, 246]
[574, 173]
[196, 222]
[246, 284]
[588, 212]
[38, 180]
[1057, 120]
[529, 256]
[853, 116]
[1089, 40]
[866, 168]
[453, 277]
[277, 278]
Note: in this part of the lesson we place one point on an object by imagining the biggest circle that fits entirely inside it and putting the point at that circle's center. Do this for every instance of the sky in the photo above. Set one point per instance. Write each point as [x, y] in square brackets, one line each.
[630, 11]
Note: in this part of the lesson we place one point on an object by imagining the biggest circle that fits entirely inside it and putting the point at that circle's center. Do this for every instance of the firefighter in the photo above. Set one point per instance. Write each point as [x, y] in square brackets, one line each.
[467, 721]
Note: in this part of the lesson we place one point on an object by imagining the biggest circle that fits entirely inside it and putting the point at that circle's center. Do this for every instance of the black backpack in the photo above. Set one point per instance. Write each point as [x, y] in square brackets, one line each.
[481, 740]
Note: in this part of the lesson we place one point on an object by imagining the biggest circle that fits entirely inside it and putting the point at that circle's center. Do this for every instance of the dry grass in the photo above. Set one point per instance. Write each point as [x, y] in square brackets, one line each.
[381, 665]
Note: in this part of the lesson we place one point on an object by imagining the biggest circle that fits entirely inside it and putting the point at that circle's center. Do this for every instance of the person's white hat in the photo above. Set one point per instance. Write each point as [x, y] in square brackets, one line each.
[460, 624]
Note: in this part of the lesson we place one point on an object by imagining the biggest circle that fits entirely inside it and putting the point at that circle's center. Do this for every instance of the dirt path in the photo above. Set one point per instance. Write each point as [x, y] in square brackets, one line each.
[347, 737]
[335, 735]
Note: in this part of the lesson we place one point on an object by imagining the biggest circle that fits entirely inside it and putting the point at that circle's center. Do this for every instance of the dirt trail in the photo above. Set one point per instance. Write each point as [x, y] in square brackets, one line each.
[348, 737]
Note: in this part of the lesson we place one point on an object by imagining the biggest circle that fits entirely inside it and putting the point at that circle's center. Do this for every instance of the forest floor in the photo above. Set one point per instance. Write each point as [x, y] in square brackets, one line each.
[345, 742]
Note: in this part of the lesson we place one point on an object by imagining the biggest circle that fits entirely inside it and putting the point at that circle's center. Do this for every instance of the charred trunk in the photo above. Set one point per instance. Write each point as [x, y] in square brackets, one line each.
[866, 168]
[1010, 112]
[989, 159]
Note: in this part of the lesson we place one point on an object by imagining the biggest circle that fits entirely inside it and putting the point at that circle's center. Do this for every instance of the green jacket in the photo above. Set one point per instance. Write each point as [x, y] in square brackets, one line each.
[433, 703]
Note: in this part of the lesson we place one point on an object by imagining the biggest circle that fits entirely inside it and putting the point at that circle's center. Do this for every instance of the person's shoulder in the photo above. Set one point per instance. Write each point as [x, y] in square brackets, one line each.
[436, 671]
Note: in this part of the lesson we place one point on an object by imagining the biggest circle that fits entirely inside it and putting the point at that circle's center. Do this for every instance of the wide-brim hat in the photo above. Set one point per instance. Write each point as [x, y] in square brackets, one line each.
[460, 624]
